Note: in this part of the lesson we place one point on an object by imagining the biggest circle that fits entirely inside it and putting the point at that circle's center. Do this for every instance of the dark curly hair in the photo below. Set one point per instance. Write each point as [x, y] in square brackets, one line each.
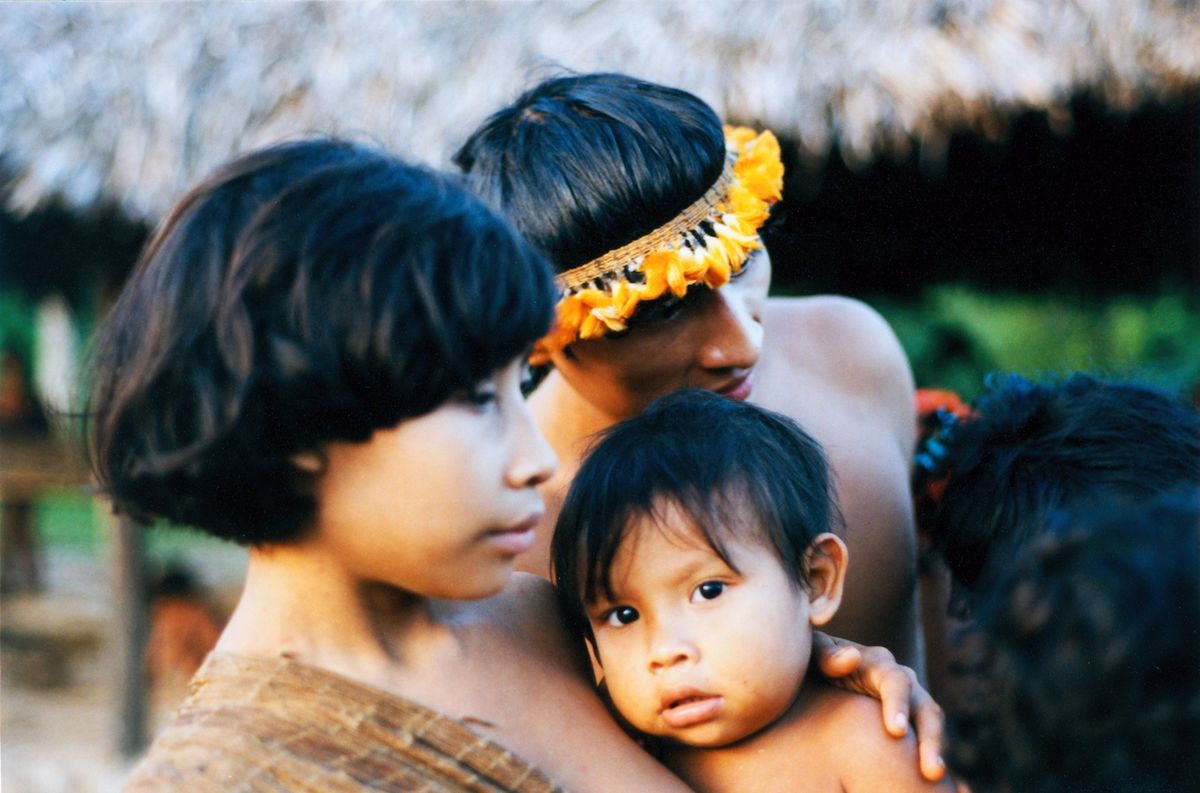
[307, 292]
[1032, 448]
[729, 466]
[582, 164]
[1082, 670]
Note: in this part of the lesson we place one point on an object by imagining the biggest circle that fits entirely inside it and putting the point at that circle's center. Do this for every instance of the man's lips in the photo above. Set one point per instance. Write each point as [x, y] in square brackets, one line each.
[690, 708]
[737, 389]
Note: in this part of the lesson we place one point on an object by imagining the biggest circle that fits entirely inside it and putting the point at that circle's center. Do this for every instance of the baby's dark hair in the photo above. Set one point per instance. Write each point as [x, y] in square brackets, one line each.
[1082, 669]
[1032, 448]
[583, 164]
[309, 292]
[731, 467]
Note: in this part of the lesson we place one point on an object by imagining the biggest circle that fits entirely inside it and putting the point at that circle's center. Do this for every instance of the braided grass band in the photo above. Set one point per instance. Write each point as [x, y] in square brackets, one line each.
[667, 235]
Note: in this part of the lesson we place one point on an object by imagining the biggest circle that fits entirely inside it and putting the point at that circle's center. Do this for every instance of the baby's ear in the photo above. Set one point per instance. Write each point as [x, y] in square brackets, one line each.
[825, 568]
[308, 462]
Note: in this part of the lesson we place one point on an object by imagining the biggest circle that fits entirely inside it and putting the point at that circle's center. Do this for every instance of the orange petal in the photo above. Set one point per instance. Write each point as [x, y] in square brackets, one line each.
[718, 273]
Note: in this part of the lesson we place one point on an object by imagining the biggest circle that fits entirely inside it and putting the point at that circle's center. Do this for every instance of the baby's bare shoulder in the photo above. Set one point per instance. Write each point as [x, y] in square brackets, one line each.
[868, 758]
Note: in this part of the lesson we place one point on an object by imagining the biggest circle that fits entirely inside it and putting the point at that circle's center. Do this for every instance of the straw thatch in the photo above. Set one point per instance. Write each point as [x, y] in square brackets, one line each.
[133, 102]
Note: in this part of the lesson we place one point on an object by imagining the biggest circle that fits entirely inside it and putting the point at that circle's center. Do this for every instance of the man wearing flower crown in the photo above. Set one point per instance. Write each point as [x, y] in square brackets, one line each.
[649, 211]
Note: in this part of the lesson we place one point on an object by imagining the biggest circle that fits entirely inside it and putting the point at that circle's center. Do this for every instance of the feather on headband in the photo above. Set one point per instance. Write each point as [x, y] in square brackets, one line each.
[706, 244]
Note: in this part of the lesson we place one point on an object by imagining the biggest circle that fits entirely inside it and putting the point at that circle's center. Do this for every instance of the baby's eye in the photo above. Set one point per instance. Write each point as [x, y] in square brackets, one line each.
[709, 590]
[621, 615]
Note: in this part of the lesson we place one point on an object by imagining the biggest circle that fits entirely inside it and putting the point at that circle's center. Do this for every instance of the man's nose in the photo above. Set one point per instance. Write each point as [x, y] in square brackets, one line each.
[734, 332]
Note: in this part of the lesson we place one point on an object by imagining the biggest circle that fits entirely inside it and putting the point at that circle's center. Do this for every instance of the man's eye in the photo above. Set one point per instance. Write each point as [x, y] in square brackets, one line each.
[746, 264]
[622, 615]
[708, 591]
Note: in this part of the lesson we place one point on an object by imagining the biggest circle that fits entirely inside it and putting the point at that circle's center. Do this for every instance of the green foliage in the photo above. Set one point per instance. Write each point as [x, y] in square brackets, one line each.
[16, 322]
[954, 336]
[68, 520]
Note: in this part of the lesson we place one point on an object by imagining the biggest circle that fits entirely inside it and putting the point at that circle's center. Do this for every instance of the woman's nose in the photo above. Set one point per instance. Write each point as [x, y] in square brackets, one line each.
[532, 461]
[734, 332]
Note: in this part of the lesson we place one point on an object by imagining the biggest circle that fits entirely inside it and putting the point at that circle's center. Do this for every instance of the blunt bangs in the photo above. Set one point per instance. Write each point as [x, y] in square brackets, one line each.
[305, 293]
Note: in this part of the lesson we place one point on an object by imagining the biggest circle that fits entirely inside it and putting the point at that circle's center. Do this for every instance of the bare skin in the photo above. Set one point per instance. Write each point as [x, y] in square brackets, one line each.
[475, 661]
[824, 743]
[404, 581]
[834, 366]
[405, 587]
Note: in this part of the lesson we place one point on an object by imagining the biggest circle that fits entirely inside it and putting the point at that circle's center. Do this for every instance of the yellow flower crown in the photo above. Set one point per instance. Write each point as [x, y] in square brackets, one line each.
[705, 243]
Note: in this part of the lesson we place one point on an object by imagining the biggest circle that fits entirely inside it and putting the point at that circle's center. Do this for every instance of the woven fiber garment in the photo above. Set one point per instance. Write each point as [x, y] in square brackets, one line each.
[255, 724]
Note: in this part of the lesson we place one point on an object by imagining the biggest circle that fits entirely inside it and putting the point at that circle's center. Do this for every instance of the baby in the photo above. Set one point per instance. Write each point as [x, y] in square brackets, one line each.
[694, 555]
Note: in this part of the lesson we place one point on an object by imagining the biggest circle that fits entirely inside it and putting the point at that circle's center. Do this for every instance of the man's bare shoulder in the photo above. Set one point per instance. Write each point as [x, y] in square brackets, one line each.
[842, 326]
[846, 346]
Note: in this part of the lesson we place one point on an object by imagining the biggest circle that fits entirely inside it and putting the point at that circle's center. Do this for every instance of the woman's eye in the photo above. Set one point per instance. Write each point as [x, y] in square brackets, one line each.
[622, 615]
[528, 380]
[481, 396]
[708, 591]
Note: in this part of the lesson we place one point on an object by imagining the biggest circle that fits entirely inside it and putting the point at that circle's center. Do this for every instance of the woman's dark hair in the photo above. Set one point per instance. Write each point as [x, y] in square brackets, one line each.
[1082, 670]
[583, 164]
[304, 293]
[1033, 448]
[731, 467]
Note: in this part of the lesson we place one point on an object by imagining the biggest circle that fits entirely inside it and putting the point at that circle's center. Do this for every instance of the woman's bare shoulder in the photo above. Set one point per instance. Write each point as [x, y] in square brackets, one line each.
[527, 612]
[562, 723]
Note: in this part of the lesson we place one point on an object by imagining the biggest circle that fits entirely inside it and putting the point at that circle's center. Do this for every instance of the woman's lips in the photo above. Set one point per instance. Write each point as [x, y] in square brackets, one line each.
[517, 539]
[691, 711]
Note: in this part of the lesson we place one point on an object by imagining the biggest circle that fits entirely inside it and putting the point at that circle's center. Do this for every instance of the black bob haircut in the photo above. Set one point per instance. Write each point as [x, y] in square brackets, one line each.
[1034, 448]
[309, 292]
[1082, 669]
[583, 164]
[731, 467]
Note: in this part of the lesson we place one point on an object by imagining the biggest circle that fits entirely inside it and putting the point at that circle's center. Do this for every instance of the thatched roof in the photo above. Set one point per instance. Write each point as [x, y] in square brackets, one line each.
[132, 102]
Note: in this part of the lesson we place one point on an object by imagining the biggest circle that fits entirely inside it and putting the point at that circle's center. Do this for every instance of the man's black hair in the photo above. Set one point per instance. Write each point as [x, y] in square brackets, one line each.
[583, 164]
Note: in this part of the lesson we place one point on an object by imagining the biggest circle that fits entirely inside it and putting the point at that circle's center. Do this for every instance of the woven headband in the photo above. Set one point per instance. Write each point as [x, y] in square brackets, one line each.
[706, 243]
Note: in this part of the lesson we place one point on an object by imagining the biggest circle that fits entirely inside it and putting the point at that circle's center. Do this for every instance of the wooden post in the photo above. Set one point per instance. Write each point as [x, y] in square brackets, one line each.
[130, 620]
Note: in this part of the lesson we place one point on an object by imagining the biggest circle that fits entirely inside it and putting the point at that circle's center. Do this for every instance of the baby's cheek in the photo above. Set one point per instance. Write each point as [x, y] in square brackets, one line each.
[628, 696]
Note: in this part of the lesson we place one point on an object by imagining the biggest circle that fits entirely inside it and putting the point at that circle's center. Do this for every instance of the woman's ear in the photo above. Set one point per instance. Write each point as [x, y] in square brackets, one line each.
[825, 569]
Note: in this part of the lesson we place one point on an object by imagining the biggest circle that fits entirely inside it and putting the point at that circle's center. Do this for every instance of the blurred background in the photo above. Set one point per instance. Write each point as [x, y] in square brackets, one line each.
[1014, 184]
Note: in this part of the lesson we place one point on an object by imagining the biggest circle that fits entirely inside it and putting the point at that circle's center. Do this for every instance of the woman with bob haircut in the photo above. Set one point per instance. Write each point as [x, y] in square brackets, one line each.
[649, 212]
[320, 356]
